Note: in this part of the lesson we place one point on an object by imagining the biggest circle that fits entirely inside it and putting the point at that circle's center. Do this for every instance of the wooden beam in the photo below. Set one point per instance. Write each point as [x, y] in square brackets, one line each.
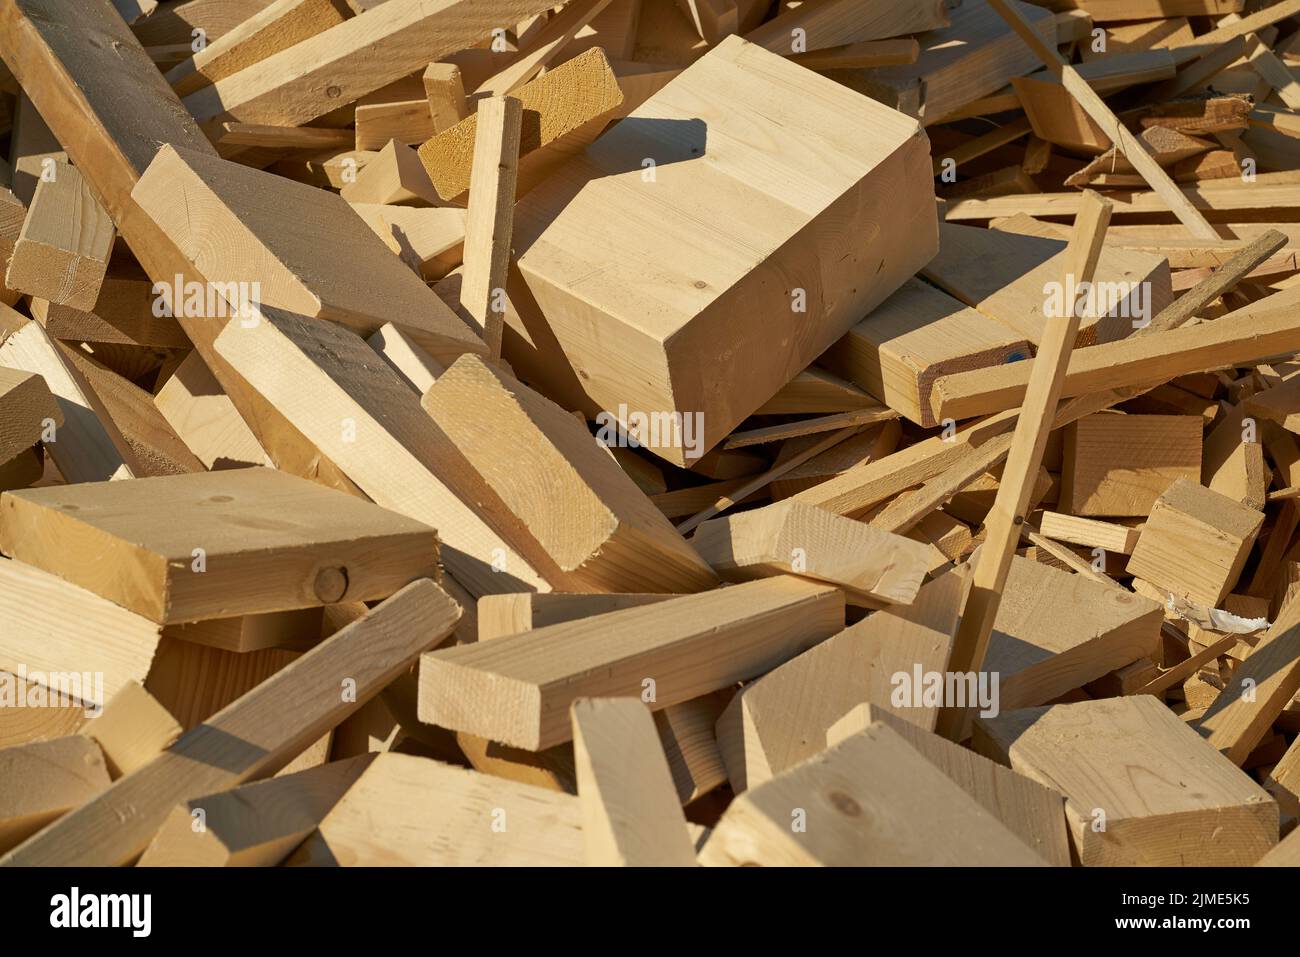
[507, 691]
[815, 26]
[299, 544]
[1089, 532]
[254, 736]
[194, 405]
[630, 813]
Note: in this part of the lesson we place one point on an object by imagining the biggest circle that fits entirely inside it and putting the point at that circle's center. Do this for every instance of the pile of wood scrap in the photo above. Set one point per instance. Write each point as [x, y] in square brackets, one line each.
[650, 432]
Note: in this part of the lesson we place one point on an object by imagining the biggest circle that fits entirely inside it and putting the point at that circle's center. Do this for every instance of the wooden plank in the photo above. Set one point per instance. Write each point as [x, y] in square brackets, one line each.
[256, 825]
[406, 121]
[1118, 465]
[194, 405]
[630, 813]
[86, 446]
[856, 56]
[1089, 532]
[132, 730]
[826, 423]
[643, 361]
[1107, 11]
[1260, 688]
[405, 463]
[870, 566]
[491, 216]
[1189, 806]
[687, 647]
[815, 26]
[252, 737]
[62, 252]
[265, 541]
[1195, 542]
[27, 409]
[410, 811]
[875, 774]
[445, 91]
[556, 104]
[278, 225]
[276, 27]
[815, 390]
[430, 240]
[532, 454]
[43, 780]
[353, 58]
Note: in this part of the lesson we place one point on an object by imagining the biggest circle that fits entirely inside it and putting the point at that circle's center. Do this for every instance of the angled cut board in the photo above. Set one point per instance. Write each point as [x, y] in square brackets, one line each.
[250, 227]
[518, 689]
[132, 729]
[43, 779]
[254, 736]
[917, 814]
[406, 811]
[654, 254]
[1032, 812]
[582, 510]
[1005, 275]
[782, 718]
[1165, 796]
[253, 540]
[871, 566]
[1120, 464]
[914, 336]
[194, 405]
[26, 407]
[975, 55]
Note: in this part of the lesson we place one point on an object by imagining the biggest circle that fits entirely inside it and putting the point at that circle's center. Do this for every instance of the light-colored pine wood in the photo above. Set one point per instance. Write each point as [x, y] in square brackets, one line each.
[398, 456]
[406, 121]
[815, 26]
[86, 446]
[1118, 465]
[1232, 461]
[267, 542]
[556, 104]
[1195, 543]
[256, 825]
[875, 775]
[630, 813]
[27, 408]
[393, 176]
[532, 455]
[22, 722]
[276, 27]
[252, 737]
[870, 566]
[815, 390]
[498, 125]
[62, 252]
[195, 406]
[661, 354]
[353, 58]
[541, 48]
[1029, 810]
[1186, 806]
[123, 314]
[430, 240]
[517, 690]
[42, 780]
[825, 423]
[409, 811]
[445, 91]
[1089, 532]
[406, 358]
[132, 730]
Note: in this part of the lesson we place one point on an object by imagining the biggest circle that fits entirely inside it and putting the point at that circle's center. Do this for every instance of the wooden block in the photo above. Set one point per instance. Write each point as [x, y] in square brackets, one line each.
[398, 457]
[27, 409]
[630, 813]
[506, 691]
[409, 811]
[445, 91]
[1017, 279]
[430, 240]
[33, 150]
[254, 736]
[62, 252]
[1089, 532]
[501, 615]
[648, 366]
[554, 105]
[1195, 543]
[976, 54]
[529, 451]
[491, 216]
[873, 774]
[393, 176]
[24, 720]
[868, 446]
[1187, 806]
[253, 540]
[914, 336]
[123, 314]
[298, 629]
[815, 26]
[406, 121]
[87, 446]
[815, 390]
[712, 19]
[257, 825]
[353, 58]
[782, 718]
[132, 730]
[614, 30]
[1029, 810]
[279, 225]
[1120, 464]
[1233, 460]
[195, 406]
[872, 567]
[43, 780]
[23, 470]
[276, 27]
